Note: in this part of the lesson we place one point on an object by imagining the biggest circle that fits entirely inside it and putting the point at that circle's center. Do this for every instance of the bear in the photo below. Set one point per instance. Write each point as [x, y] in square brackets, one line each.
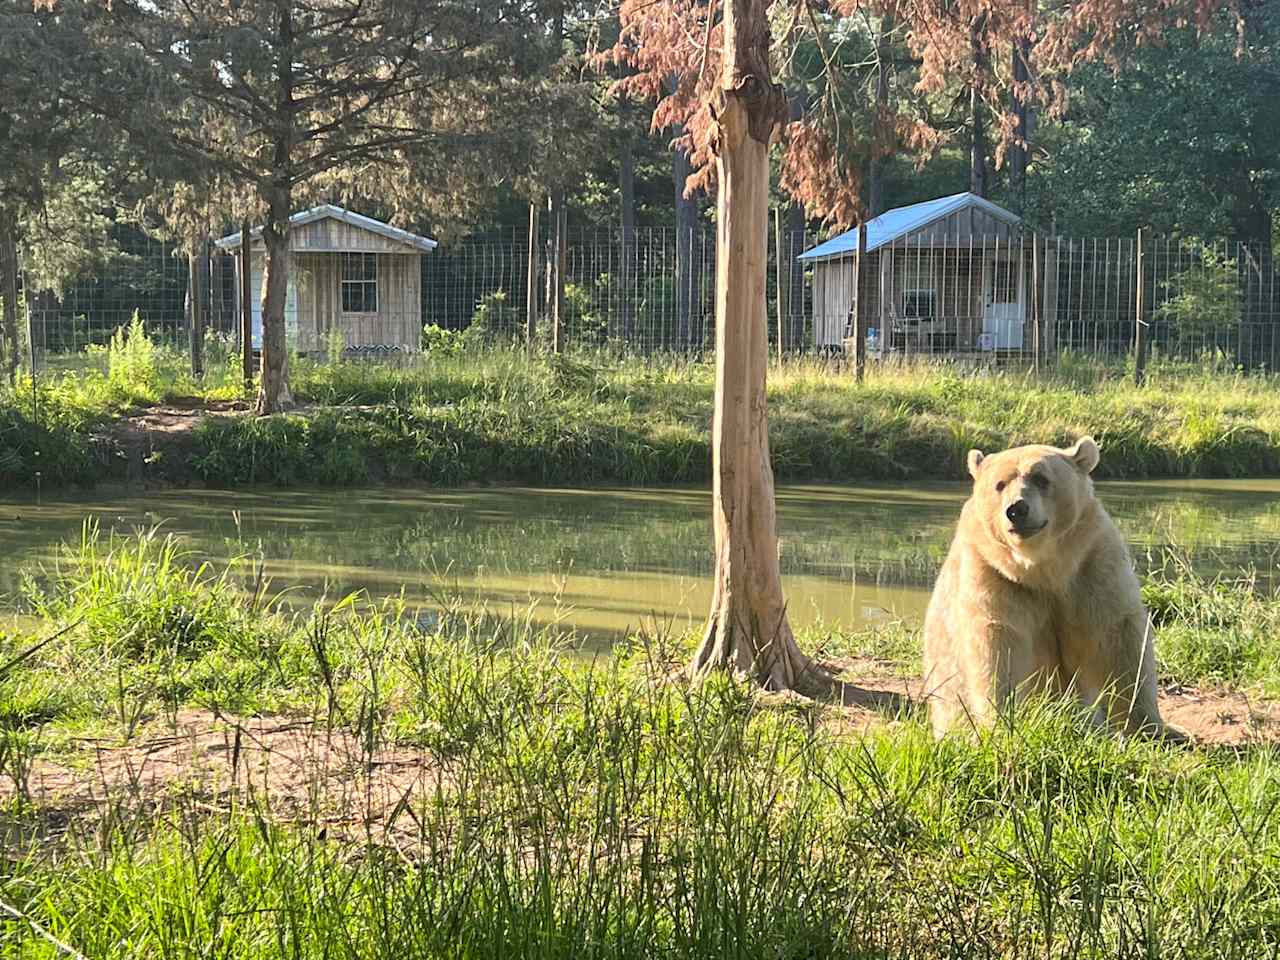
[1038, 595]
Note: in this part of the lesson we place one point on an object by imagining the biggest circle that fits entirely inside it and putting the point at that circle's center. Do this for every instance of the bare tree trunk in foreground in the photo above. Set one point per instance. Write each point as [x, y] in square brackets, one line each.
[273, 386]
[748, 630]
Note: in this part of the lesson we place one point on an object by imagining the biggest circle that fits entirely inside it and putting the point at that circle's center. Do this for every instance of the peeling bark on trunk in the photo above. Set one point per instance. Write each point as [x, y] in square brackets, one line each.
[273, 388]
[747, 630]
[9, 348]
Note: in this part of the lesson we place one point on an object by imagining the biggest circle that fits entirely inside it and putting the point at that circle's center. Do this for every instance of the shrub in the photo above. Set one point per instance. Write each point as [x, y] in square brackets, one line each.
[131, 361]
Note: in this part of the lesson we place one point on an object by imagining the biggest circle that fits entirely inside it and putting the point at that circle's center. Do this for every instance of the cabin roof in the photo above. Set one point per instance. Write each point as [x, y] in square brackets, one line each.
[330, 211]
[900, 221]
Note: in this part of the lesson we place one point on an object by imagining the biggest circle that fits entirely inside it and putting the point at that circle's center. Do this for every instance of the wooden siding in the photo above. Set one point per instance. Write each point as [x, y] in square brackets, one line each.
[958, 277]
[962, 226]
[328, 234]
[317, 278]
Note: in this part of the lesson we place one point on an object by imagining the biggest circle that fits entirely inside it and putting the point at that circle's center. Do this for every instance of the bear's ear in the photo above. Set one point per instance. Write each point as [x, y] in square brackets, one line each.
[1084, 454]
[975, 461]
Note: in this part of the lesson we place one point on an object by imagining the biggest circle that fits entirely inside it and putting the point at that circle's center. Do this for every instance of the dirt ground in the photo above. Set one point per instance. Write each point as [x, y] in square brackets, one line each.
[303, 772]
[1208, 717]
[160, 435]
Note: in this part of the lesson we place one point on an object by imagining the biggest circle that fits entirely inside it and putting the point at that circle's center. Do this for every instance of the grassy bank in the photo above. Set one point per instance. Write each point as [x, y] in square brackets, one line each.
[379, 787]
[496, 416]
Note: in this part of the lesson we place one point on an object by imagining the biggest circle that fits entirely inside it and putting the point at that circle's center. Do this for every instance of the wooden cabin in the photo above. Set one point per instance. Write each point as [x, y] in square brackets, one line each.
[348, 273]
[951, 275]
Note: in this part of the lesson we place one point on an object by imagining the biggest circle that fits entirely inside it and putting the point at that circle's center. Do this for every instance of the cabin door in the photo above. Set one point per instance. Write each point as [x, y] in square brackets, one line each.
[1004, 304]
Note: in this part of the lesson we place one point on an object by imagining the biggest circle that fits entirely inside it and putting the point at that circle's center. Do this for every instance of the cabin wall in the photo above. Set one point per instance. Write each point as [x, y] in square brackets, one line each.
[328, 235]
[398, 321]
[317, 279]
[958, 275]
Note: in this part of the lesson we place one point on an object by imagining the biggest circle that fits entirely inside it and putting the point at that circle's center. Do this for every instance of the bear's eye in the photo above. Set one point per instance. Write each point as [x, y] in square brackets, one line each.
[1000, 485]
[1040, 480]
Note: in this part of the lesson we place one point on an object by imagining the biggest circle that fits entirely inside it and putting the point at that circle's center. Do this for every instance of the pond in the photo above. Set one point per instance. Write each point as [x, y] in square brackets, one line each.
[609, 560]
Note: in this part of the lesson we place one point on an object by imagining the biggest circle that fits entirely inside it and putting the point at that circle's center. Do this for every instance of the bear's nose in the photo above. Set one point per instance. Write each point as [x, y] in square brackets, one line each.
[1017, 511]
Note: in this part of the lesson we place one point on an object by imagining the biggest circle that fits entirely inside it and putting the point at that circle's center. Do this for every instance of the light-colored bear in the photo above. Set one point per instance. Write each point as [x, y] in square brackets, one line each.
[1038, 594]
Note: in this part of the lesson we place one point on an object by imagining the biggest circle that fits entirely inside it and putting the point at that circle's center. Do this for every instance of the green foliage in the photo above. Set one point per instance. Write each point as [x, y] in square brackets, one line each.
[1203, 299]
[131, 361]
[438, 342]
[552, 807]
[586, 324]
[469, 415]
[139, 596]
[335, 344]
[494, 320]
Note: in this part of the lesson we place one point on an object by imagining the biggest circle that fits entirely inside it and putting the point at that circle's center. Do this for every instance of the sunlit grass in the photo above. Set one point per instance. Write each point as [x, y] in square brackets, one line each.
[592, 809]
[489, 415]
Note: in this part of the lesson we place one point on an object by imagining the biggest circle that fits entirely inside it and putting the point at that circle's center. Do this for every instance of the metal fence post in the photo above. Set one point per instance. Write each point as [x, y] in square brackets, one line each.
[783, 277]
[1037, 341]
[531, 280]
[859, 309]
[1140, 329]
[246, 308]
[195, 296]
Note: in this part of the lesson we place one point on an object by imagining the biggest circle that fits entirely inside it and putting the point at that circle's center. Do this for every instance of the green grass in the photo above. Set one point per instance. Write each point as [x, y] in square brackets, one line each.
[575, 809]
[497, 416]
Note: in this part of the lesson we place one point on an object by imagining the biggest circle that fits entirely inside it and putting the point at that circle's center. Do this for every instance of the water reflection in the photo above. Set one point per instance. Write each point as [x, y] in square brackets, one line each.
[609, 560]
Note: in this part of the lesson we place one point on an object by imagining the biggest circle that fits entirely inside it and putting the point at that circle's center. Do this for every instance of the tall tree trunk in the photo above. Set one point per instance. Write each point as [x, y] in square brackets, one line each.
[1020, 152]
[627, 189]
[273, 386]
[977, 125]
[9, 290]
[747, 630]
[882, 133]
[686, 223]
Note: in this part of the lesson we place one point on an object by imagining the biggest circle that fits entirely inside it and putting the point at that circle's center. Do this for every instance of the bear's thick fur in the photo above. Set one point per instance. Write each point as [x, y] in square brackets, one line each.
[1038, 594]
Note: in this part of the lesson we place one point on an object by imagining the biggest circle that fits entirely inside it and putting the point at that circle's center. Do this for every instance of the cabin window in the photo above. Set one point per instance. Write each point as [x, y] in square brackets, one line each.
[919, 301]
[359, 283]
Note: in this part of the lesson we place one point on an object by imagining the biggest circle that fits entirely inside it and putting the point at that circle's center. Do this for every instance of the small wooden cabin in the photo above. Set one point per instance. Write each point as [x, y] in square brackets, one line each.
[348, 273]
[951, 275]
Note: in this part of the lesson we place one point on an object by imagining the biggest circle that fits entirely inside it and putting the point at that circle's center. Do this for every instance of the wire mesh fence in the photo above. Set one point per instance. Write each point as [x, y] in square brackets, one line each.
[970, 299]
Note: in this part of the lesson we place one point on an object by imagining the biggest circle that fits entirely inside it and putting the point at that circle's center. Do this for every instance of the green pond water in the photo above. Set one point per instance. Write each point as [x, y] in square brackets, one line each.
[609, 560]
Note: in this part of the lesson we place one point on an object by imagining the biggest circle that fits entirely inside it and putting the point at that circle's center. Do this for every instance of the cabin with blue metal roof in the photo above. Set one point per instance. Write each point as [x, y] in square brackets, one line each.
[951, 275]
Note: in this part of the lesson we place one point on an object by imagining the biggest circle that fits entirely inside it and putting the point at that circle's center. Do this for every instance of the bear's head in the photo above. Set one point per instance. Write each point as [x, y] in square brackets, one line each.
[1031, 495]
